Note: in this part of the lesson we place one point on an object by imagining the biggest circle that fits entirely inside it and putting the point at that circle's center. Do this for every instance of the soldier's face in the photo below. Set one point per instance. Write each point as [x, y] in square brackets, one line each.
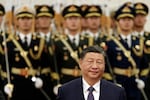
[73, 23]
[125, 24]
[25, 23]
[44, 22]
[93, 22]
[140, 20]
[92, 66]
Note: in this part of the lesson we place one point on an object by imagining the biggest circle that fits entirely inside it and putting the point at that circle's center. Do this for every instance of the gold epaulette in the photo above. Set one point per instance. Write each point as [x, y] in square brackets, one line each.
[109, 37]
[61, 35]
[3, 44]
[147, 33]
[55, 76]
[107, 76]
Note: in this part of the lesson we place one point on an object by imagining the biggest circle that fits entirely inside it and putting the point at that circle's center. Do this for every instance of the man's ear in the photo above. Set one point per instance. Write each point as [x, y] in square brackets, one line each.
[80, 63]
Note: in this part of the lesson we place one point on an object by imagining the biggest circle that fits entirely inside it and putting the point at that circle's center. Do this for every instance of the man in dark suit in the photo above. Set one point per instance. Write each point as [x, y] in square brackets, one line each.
[92, 64]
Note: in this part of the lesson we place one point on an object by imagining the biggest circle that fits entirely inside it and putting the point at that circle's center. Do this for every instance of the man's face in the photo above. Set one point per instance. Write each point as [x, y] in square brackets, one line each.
[25, 23]
[92, 66]
[73, 23]
[140, 20]
[93, 22]
[44, 21]
[125, 24]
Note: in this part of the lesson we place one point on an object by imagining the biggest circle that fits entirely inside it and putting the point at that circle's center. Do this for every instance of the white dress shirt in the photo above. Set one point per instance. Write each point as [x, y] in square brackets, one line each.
[96, 92]
[76, 37]
[95, 35]
[128, 37]
[47, 35]
[22, 37]
[138, 33]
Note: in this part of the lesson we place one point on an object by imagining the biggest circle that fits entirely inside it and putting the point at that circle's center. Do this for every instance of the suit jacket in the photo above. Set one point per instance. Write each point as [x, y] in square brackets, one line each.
[73, 90]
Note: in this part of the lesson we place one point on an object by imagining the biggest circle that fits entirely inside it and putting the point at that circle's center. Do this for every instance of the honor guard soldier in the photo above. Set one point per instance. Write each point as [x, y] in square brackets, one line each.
[2, 53]
[141, 12]
[26, 55]
[2, 13]
[70, 44]
[93, 15]
[125, 54]
[44, 16]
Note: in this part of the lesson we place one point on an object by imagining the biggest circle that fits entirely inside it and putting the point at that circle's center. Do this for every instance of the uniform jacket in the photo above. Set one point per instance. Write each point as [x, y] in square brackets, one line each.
[63, 55]
[118, 59]
[74, 91]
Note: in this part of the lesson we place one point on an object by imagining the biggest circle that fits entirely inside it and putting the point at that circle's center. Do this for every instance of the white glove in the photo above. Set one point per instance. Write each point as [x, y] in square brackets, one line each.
[55, 89]
[38, 82]
[140, 83]
[8, 89]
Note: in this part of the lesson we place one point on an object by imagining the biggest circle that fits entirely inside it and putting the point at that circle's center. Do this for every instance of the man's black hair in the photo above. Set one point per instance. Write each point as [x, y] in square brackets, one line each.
[95, 49]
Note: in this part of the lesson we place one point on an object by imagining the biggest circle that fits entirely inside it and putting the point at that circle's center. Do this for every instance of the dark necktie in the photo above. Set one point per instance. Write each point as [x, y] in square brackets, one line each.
[25, 42]
[74, 42]
[45, 38]
[95, 40]
[126, 41]
[90, 95]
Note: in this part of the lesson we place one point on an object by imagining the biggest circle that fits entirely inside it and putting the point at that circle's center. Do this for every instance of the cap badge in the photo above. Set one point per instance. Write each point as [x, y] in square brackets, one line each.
[93, 9]
[44, 9]
[139, 6]
[126, 9]
[72, 8]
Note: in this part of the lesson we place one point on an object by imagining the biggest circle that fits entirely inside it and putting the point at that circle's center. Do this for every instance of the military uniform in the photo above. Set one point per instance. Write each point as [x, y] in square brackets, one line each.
[68, 60]
[126, 57]
[3, 36]
[49, 36]
[68, 48]
[142, 9]
[27, 62]
[2, 12]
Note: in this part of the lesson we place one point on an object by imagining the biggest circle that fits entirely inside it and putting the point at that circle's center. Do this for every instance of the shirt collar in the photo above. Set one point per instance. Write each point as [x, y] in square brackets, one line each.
[96, 86]
[73, 36]
[47, 34]
[125, 37]
[93, 34]
[27, 35]
[139, 33]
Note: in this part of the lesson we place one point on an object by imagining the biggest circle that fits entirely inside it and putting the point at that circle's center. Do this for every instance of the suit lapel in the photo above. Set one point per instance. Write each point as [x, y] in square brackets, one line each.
[103, 91]
[80, 91]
